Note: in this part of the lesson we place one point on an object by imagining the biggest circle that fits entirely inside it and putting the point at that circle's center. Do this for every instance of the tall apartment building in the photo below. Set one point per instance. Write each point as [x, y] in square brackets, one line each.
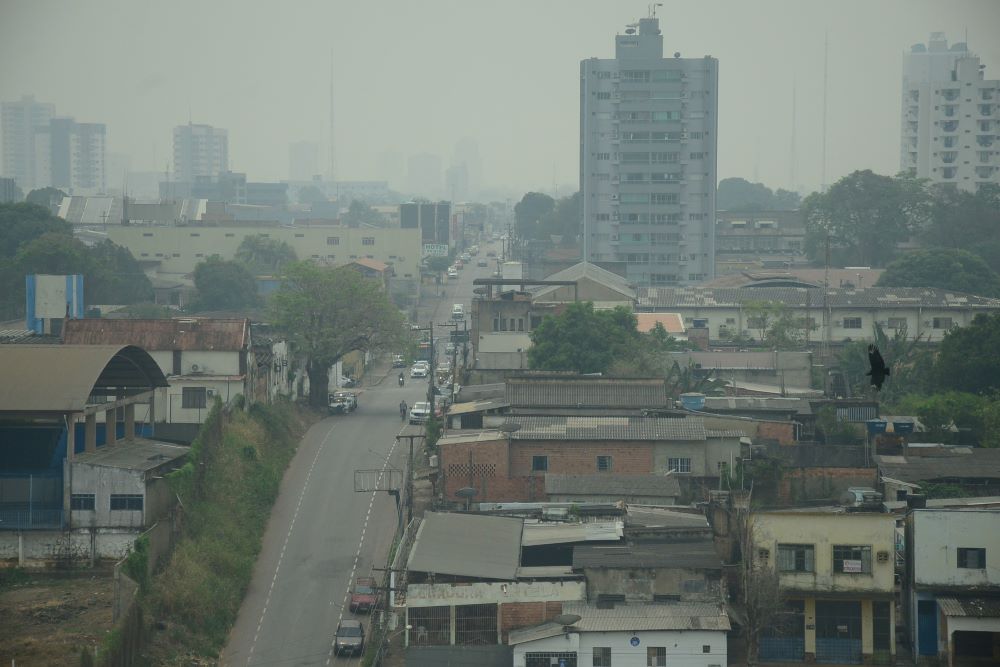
[71, 156]
[951, 116]
[648, 132]
[199, 150]
[18, 121]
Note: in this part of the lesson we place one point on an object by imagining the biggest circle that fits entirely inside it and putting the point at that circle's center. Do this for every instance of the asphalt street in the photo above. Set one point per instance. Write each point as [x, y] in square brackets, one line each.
[321, 533]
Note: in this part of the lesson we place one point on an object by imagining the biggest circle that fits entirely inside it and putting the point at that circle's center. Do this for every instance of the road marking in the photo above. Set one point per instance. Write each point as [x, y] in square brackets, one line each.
[281, 557]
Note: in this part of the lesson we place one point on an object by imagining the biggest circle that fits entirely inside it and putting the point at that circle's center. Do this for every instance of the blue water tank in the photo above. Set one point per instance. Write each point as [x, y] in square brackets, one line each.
[693, 401]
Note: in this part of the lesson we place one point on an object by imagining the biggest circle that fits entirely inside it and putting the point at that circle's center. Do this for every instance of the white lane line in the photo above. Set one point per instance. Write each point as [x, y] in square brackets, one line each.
[357, 556]
[281, 557]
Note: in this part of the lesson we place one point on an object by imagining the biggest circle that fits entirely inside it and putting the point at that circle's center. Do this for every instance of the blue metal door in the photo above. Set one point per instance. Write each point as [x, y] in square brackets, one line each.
[838, 631]
[786, 640]
[927, 627]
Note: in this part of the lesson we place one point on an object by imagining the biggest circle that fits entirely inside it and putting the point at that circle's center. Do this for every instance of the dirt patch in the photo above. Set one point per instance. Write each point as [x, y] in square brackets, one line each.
[47, 619]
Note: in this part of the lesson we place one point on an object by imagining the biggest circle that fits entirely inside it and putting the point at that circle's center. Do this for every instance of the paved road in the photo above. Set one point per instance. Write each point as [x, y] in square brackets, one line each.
[321, 533]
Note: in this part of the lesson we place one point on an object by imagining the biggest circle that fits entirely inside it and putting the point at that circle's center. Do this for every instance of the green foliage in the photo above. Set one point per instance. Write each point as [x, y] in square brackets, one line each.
[990, 416]
[864, 215]
[541, 217]
[438, 264]
[968, 360]
[932, 490]
[832, 431]
[944, 268]
[741, 194]
[20, 223]
[310, 194]
[909, 359]
[432, 430]
[148, 311]
[47, 197]
[529, 213]
[777, 327]
[690, 378]
[582, 339]
[966, 220]
[224, 285]
[86, 658]
[940, 412]
[359, 213]
[136, 564]
[264, 256]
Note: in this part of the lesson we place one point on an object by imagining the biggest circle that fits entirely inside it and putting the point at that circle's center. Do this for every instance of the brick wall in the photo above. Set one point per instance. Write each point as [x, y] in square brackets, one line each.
[799, 484]
[525, 614]
[580, 458]
[781, 432]
[489, 472]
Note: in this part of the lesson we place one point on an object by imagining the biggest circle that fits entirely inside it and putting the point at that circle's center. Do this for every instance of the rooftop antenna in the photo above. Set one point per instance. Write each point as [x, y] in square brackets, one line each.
[791, 173]
[652, 9]
[826, 54]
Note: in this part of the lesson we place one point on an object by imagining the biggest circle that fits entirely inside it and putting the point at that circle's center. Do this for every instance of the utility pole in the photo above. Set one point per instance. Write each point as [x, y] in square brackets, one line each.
[430, 379]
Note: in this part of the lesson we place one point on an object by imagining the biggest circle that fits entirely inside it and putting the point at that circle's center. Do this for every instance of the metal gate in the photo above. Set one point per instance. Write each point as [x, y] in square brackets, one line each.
[927, 636]
[838, 631]
[786, 642]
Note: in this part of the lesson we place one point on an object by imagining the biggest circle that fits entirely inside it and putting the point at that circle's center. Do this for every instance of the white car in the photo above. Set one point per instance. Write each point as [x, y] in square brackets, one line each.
[418, 372]
[420, 411]
[452, 272]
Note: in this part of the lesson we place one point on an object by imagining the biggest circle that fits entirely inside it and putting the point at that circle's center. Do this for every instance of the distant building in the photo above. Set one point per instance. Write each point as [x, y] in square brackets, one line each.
[303, 161]
[433, 221]
[71, 156]
[424, 175]
[950, 116]
[18, 121]
[750, 240]
[9, 192]
[199, 150]
[648, 160]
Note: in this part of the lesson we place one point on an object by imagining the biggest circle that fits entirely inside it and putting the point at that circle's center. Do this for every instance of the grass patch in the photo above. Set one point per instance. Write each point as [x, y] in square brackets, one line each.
[227, 487]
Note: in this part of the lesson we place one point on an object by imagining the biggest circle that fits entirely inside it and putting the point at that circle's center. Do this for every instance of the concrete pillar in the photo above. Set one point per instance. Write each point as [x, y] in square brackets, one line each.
[68, 470]
[867, 629]
[90, 433]
[451, 623]
[20, 549]
[130, 422]
[110, 426]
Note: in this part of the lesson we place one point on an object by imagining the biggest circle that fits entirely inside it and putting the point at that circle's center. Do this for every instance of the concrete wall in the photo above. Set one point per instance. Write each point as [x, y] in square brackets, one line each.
[584, 497]
[799, 484]
[940, 533]
[41, 548]
[641, 584]
[103, 481]
[684, 649]
[706, 456]
[435, 595]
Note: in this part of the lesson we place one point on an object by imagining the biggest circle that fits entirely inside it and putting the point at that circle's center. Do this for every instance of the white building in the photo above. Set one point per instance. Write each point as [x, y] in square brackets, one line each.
[18, 121]
[679, 634]
[648, 127]
[950, 116]
[71, 156]
[199, 150]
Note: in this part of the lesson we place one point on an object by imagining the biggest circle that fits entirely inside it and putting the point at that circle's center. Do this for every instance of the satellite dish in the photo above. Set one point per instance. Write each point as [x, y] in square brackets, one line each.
[467, 492]
[566, 619]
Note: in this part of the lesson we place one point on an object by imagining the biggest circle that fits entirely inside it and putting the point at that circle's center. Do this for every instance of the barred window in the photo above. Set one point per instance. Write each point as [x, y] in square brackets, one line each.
[852, 559]
[796, 558]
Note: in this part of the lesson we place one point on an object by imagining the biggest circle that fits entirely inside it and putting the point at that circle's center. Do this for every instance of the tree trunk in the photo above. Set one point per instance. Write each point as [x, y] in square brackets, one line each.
[319, 384]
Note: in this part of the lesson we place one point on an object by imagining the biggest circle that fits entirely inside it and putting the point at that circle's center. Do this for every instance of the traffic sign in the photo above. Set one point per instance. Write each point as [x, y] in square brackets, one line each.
[435, 250]
[460, 336]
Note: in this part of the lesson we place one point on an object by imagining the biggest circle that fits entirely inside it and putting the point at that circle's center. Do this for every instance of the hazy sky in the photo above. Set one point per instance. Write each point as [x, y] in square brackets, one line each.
[417, 75]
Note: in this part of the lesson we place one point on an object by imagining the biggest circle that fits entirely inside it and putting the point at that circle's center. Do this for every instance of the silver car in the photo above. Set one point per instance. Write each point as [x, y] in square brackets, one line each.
[350, 638]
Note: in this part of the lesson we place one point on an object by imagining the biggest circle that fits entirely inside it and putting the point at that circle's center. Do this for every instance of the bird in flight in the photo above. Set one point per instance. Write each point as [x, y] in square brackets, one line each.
[879, 371]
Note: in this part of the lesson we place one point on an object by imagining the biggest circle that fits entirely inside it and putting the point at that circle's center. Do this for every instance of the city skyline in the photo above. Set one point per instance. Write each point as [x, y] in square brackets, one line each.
[425, 90]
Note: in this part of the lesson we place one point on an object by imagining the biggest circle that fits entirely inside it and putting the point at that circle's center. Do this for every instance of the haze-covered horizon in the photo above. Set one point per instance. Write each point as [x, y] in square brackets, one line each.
[418, 77]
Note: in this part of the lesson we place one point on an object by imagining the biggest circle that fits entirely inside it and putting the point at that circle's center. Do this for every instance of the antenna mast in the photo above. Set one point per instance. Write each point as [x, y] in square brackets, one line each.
[791, 173]
[826, 58]
[333, 161]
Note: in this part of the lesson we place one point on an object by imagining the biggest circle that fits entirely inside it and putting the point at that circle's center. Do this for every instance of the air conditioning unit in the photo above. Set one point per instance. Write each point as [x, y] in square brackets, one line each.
[763, 554]
[883, 556]
[210, 392]
[194, 368]
[684, 136]
[614, 197]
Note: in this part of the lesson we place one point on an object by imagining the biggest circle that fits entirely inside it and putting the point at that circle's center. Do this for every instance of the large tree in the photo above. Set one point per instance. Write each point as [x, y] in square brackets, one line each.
[946, 268]
[46, 197]
[741, 194]
[24, 222]
[310, 194]
[531, 212]
[263, 255]
[329, 312]
[967, 359]
[224, 285]
[583, 339]
[862, 217]
[359, 213]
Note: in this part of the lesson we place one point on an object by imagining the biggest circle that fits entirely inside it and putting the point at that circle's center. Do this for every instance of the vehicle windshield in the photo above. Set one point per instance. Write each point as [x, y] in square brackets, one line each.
[349, 632]
[364, 590]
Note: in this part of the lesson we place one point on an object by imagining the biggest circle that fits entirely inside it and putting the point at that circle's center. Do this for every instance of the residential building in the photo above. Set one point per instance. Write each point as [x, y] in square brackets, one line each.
[975, 470]
[835, 315]
[950, 116]
[199, 150]
[648, 130]
[70, 156]
[951, 594]
[18, 121]
[9, 192]
[433, 221]
[836, 570]
[604, 288]
[605, 488]
[753, 240]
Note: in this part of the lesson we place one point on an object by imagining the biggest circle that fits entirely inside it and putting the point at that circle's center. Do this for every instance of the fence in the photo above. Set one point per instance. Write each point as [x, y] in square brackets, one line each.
[31, 502]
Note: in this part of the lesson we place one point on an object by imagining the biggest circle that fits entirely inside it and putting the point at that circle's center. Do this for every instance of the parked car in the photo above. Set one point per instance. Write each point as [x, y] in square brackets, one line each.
[465, 257]
[419, 372]
[350, 638]
[340, 402]
[482, 262]
[363, 595]
[348, 382]
[452, 272]
[420, 412]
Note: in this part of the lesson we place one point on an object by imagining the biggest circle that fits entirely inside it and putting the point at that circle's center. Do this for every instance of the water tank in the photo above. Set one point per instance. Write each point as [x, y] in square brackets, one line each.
[693, 401]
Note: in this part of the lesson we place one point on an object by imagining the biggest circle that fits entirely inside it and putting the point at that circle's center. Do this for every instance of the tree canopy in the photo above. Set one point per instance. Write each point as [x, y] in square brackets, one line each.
[741, 194]
[541, 217]
[533, 208]
[359, 213]
[967, 359]
[310, 194]
[46, 197]
[24, 222]
[582, 339]
[966, 220]
[224, 285]
[864, 216]
[263, 255]
[329, 312]
[945, 268]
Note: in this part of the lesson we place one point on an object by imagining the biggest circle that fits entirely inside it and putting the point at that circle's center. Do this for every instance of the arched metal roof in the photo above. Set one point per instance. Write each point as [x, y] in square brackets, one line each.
[60, 378]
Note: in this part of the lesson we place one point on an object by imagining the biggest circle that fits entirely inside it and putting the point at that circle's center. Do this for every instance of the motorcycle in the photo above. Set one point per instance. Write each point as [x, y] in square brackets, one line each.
[402, 381]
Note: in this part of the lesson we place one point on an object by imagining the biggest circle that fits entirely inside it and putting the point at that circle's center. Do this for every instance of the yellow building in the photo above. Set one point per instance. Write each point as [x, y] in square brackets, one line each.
[836, 569]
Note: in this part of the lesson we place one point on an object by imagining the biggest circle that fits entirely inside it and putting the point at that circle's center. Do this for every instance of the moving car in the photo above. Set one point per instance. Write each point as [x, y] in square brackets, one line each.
[363, 595]
[398, 361]
[452, 272]
[458, 312]
[465, 257]
[449, 348]
[420, 412]
[482, 263]
[419, 371]
[350, 638]
[340, 402]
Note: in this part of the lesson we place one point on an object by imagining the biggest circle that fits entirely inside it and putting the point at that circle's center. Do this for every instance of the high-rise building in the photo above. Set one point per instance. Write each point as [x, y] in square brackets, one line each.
[648, 127]
[303, 161]
[71, 156]
[199, 150]
[951, 116]
[18, 121]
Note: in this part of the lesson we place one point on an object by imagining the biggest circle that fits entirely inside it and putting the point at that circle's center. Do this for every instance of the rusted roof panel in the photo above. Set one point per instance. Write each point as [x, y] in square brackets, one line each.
[185, 334]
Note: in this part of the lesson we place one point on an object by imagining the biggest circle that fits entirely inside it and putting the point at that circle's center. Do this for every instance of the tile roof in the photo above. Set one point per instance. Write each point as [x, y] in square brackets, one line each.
[868, 297]
[203, 334]
[976, 464]
[696, 554]
[606, 428]
[593, 272]
[971, 607]
[581, 391]
[604, 484]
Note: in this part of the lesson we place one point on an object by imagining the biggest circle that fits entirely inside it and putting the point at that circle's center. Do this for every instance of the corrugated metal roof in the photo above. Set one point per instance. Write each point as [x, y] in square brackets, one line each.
[203, 334]
[727, 360]
[661, 517]
[476, 406]
[663, 486]
[750, 403]
[547, 572]
[868, 297]
[60, 378]
[979, 463]
[578, 391]
[970, 607]
[487, 547]
[462, 437]
[137, 454]
[590, 271]
[697, 554]
[534, 633]
[606, 428]
[626, 617]
[535, 534]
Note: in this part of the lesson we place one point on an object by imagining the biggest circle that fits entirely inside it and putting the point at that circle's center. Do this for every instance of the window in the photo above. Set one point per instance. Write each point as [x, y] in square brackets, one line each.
[942, 323]
[539, 463]
[602, 656]
[126, 501]
[679, 465]
[368, 240]
[897, 323]
[333, 240]
[697, 156]
[604, 156]
[852, 559]
[635, 76]
[852, 322]
[195, 234]
[656, 656]
[81, 501]
[603, 464]
[604, 96]
[664, 198]
[972, 558]
[706, 648]
[796, 558]
[194, 397]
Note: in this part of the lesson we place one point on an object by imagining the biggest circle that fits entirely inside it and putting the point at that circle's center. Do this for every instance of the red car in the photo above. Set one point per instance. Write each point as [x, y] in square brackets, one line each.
[363, 595]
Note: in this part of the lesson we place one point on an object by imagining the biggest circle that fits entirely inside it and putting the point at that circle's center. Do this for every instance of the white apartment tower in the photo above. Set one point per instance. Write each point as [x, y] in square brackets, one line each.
[648, 135]
[951, 116]
[71, 156]
[199, 151]
[18, 121]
